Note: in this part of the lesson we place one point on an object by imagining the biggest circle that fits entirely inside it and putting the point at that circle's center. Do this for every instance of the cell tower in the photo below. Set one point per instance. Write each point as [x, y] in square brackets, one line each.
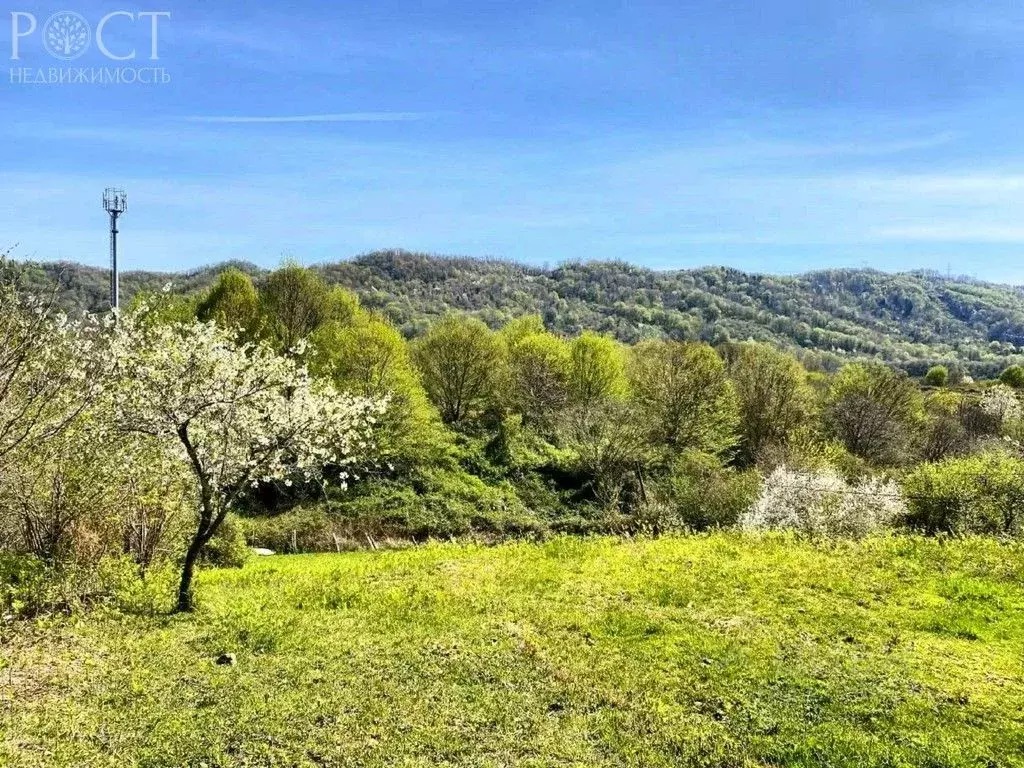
[115, 202]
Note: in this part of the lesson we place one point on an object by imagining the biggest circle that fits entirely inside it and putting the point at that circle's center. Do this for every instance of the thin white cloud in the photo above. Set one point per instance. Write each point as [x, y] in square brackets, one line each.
[966, 184]
[967, 232]
[341, 117]
[862, 148]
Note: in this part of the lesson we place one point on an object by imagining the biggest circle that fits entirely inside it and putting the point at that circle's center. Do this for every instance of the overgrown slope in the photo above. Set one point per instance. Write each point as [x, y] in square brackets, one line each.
[911, 318]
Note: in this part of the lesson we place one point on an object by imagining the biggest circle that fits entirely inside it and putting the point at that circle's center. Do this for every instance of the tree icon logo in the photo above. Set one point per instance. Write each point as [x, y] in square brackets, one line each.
[66, 35]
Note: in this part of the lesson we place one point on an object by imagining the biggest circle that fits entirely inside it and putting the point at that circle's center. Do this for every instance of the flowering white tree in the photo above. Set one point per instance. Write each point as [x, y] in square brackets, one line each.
[234, 414]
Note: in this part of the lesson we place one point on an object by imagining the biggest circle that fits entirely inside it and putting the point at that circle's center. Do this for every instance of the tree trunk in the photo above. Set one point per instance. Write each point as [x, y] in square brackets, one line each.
[208, 522]
[185, 587]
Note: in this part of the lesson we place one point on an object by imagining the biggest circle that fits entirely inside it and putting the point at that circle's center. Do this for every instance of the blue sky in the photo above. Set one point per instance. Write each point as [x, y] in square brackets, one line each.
[775, 136]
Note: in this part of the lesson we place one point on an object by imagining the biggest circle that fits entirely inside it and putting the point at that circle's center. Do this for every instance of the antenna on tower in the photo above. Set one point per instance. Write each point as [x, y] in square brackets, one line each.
[115, 202]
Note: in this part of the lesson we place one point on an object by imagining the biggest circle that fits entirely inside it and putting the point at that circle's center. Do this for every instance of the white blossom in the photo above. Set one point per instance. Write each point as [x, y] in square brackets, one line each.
[246, 412]
[822, 503]
[51, 368]
[233, 414]
[1000, 402]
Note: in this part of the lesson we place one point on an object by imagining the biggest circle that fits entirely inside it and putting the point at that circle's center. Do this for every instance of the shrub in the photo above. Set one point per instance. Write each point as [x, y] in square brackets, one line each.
[227, 548]
[30, 586]
[1013, 376]
[428, 503]
[82, 496]
[27, 585]
[433, 502]
[1001, 405]
[975, 494]
[700, 494]
[937, 376]
[822, 503]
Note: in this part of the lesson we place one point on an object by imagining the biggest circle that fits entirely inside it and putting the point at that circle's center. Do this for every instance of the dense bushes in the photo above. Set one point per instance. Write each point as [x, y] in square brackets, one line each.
[1013, 376]
[30, 586]
[699, 493]
[522, 431]
[974, 494]
[937, 376]
[432, 503]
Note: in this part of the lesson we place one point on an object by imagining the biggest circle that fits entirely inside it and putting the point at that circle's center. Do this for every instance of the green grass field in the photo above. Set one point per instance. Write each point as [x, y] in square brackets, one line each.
[709, 650]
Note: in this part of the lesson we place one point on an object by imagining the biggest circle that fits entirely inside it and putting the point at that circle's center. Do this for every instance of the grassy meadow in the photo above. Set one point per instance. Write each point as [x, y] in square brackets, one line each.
[712, 650]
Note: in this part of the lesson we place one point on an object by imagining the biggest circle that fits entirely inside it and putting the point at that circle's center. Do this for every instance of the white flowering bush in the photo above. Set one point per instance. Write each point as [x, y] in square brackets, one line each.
[823, 504]
[54, 489]
[231, 414]
[1000, 404]
[51, 368]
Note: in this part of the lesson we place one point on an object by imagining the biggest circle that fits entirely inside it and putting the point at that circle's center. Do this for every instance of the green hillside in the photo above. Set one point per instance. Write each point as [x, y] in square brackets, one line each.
[912, 319]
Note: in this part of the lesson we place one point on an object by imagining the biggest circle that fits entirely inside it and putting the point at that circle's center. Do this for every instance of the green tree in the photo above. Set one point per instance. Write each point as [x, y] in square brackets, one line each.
[538, 370]
[973, 494]
[937, 376]
[294, 303]
[461, 362]
[683, 396]
[232, 302]
[873, 409]
[774, 396]
[597, 370]
[1013, 376]
[518, 329]
[368, 356]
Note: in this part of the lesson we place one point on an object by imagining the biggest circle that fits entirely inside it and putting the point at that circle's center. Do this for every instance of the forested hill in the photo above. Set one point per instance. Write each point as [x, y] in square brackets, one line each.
[911, 318]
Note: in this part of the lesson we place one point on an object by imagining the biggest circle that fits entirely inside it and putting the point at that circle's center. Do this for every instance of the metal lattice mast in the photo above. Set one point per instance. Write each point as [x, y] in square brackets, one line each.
[115, 202]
